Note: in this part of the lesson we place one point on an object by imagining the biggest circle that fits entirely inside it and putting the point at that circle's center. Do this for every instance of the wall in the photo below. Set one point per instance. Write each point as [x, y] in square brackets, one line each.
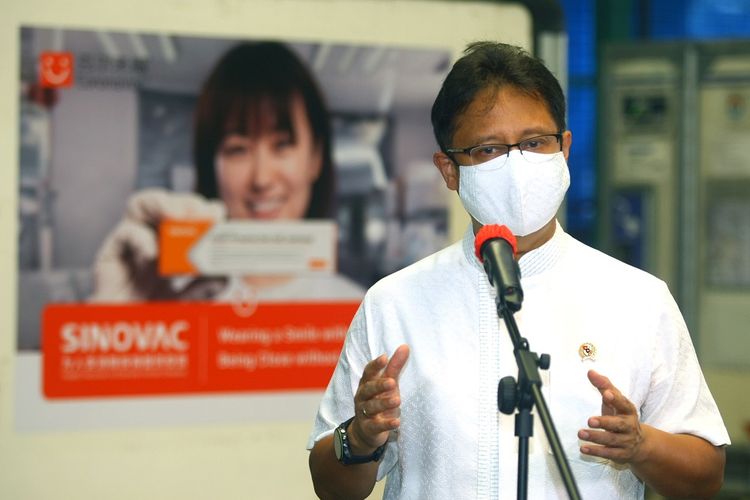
[263, 461]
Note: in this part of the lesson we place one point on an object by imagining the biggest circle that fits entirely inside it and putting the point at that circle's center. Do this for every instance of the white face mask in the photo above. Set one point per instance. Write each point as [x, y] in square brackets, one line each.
[515, 192]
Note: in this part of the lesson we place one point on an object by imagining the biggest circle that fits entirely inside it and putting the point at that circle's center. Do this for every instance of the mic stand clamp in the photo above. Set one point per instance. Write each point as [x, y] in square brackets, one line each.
[522, 395]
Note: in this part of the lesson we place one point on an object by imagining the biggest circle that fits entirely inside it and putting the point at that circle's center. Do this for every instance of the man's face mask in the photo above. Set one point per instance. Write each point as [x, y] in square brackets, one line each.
[513, 191]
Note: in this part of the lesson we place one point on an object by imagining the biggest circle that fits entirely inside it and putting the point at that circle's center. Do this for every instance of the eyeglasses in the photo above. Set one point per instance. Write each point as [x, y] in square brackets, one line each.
[546, 144]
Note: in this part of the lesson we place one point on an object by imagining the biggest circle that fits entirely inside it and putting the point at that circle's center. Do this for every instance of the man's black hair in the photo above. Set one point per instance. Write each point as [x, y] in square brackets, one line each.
[493, 65]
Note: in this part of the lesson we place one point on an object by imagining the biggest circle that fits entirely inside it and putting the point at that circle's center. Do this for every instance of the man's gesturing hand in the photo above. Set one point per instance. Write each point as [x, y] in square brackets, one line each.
[621, 437]
[377, 402]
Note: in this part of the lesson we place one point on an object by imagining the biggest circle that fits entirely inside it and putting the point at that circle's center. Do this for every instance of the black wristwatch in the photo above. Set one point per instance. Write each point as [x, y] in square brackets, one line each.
[343, 452]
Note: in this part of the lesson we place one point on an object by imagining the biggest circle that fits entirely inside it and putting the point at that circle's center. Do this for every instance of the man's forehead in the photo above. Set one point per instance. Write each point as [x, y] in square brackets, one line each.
[477, 119]
[493, 95]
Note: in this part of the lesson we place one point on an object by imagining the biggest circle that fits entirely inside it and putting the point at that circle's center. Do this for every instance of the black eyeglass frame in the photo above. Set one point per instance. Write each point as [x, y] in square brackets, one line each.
[467, 151]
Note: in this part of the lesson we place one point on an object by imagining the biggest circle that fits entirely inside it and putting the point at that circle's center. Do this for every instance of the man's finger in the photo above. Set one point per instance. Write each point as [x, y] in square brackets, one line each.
[599, 381]
[613, 402]
[373, 368]
[397, 362]
[620, 403]
[375, 387]
[600, 437]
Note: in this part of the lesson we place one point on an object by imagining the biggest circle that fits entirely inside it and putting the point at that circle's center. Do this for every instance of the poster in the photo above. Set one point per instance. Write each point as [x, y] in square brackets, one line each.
[113, 134]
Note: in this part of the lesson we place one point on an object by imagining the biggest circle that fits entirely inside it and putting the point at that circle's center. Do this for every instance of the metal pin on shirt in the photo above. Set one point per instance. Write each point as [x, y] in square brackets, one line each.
[587, 352]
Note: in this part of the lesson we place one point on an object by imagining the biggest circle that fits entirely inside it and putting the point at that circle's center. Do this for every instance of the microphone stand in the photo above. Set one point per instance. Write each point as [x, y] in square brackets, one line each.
[523, 395]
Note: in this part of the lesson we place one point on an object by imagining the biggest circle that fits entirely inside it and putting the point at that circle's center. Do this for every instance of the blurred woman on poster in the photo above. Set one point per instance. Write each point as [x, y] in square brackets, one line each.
[262, 151]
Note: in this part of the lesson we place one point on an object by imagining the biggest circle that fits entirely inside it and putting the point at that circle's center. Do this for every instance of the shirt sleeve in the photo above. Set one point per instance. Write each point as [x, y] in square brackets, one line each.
[337, 404]
[679, 400]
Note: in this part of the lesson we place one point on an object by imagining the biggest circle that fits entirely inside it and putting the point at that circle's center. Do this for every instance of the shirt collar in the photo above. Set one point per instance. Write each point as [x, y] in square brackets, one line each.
[531, 263]
[545, 257]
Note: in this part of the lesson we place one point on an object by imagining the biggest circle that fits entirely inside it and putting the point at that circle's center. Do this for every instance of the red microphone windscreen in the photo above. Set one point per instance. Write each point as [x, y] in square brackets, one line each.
[493, 231]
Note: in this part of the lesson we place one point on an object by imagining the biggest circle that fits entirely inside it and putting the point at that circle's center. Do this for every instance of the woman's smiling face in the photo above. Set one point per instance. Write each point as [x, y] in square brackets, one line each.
[269, 175]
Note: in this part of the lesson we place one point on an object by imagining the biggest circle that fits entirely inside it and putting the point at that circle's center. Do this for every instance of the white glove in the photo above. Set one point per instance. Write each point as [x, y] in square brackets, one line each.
[126, 264]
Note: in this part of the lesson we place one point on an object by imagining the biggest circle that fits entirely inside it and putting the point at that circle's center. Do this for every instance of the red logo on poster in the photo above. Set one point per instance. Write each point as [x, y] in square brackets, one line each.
[56, 69]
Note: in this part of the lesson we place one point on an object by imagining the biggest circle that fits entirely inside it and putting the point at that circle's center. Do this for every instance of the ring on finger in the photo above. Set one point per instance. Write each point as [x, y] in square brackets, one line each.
[364, 411]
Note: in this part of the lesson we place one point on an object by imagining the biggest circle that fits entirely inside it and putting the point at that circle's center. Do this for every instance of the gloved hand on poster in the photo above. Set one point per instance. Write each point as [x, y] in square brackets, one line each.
[125, 269]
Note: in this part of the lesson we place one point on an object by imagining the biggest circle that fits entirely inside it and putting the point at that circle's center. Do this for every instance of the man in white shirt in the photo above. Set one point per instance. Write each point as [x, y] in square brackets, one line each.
[625, 389]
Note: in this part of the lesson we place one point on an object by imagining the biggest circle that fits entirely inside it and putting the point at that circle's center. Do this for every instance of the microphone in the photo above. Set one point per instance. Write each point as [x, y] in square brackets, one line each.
[495, 247]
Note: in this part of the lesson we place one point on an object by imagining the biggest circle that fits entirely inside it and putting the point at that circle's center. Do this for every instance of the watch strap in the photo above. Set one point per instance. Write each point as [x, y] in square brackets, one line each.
[344, 453]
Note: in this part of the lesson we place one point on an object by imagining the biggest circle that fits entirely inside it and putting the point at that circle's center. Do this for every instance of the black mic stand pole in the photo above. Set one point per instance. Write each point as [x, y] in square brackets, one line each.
[523, 395]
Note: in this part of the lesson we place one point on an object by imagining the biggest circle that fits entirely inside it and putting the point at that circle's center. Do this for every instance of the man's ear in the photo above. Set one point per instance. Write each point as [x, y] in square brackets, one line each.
[448, 169]
[567, 140]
